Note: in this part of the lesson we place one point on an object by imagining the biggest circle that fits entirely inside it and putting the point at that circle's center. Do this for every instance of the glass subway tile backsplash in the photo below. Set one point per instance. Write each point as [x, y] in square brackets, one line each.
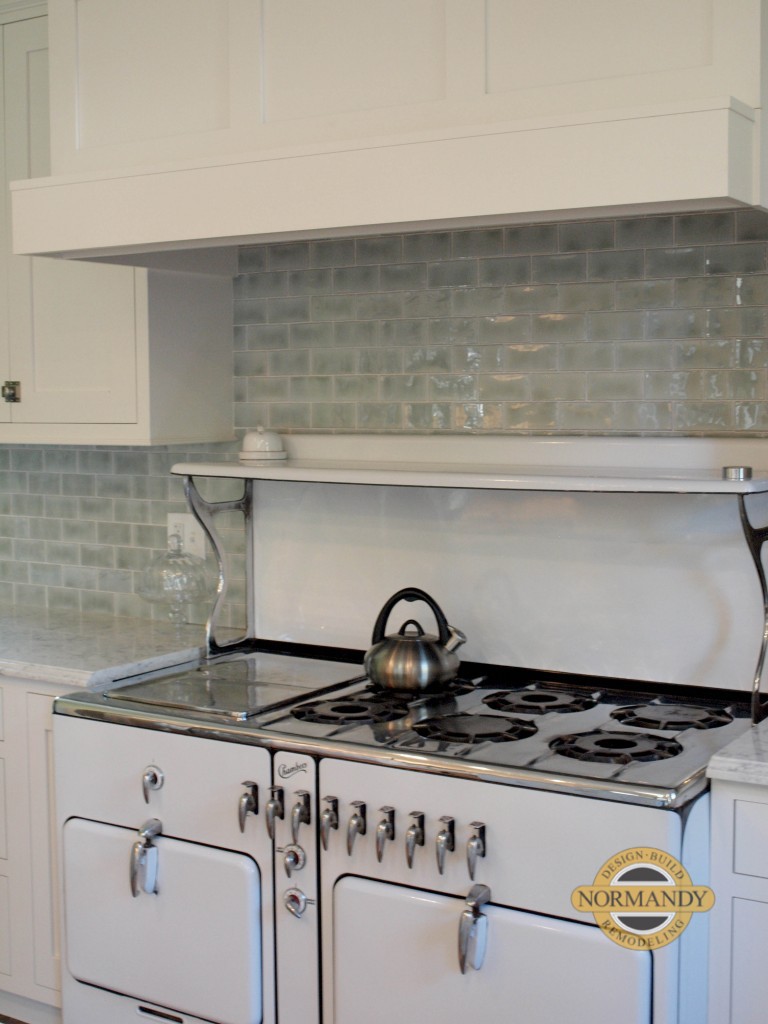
[645, 325]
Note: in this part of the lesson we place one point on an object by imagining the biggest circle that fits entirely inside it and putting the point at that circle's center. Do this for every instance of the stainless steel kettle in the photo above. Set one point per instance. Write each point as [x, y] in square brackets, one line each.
[412, 660]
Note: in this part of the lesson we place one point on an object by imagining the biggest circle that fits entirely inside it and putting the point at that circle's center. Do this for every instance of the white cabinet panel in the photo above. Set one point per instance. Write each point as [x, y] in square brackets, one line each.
[352, 55]
[92, 345]
[184, 63]
[749, 981]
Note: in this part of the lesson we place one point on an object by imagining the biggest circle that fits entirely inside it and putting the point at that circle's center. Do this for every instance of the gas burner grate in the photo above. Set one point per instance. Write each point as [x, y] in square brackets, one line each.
[672, 716]
[615, 747]
[360, 709]
[537, 700]
[464, 728]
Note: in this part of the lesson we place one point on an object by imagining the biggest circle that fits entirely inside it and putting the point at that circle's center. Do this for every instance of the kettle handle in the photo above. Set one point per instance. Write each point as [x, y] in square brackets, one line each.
[411, 594]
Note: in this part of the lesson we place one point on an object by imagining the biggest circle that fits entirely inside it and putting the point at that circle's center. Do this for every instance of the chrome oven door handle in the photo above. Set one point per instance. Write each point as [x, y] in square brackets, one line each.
[473, 929]
[143, 863]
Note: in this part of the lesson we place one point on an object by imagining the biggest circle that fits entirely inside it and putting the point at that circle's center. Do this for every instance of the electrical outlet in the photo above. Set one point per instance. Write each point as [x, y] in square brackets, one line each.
[190, 531]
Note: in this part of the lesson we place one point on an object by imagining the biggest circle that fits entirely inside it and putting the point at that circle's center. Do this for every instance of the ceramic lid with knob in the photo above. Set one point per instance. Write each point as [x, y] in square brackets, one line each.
[262, 445]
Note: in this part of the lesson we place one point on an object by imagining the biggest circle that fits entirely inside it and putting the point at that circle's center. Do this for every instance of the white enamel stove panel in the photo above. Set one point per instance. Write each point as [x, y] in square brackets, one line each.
[379, 914]
[207, 797]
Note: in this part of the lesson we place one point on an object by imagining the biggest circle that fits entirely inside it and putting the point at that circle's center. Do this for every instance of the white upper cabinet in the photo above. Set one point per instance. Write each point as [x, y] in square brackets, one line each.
[191, 122]
[96, 353]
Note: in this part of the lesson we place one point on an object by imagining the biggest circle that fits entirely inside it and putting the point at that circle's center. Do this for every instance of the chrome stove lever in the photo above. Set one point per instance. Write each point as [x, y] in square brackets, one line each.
[300, 813]
[473, 929]
[475, 847]
[274, 809]
[329, 819]
[356, 825]
[445, 841]
[414, 836]
[248, 803]
[385, 830]
[144, 858]
[152, 778]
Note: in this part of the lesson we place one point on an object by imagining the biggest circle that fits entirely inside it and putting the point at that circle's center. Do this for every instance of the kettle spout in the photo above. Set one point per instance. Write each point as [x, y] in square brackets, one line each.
[456, 639]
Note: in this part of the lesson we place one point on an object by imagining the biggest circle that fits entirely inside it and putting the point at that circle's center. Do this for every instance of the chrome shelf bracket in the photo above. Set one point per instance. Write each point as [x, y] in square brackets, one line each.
[205, 512]
[756, 538]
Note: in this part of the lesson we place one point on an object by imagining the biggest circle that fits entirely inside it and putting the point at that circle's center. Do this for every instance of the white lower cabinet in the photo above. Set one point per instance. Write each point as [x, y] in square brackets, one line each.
[96, 354]
[29, 921]
[739, 921]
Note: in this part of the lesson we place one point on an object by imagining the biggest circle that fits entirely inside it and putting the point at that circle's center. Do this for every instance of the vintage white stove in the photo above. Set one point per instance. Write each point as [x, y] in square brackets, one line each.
[270, 838]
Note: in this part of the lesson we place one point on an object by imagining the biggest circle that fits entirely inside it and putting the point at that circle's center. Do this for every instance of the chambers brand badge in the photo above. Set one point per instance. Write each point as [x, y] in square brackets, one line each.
[642, 898]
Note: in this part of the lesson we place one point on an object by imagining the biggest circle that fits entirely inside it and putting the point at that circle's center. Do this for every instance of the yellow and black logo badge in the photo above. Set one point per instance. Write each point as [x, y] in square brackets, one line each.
[642, 898]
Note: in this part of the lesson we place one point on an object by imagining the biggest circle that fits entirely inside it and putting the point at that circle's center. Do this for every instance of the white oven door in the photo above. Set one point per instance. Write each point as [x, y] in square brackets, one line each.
[193, 945]
[395, 957]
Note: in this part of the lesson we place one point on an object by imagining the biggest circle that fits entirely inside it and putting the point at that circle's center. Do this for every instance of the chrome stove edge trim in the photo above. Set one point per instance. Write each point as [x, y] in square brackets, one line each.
[249, 734]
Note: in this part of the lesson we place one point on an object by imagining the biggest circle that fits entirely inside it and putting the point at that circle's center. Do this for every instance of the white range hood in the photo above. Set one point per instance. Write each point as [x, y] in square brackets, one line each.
[485, 178]
[261, 122]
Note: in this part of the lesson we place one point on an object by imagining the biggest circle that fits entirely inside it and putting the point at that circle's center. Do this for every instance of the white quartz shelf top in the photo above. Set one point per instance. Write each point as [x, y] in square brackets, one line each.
[498, 462]
[480, 477]
[743, 760]
[75, 650]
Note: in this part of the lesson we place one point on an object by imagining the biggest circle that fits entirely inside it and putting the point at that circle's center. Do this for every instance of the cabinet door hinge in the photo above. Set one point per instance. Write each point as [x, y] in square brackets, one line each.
[11, 391]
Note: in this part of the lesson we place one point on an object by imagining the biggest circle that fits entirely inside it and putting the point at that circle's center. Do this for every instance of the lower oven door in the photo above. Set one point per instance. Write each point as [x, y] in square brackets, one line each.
[193, 945]
[395, 957]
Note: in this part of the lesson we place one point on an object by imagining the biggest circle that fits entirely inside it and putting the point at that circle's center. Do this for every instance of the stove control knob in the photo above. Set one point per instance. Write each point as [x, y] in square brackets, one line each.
[445, 841]
[414, 836]
[475, 847]
[300, 813]
[294, 858]
[385, 831]
[295, 901]
[274, 809]
[356, 825]
[329, 819]
[248, 803]
[152, 779]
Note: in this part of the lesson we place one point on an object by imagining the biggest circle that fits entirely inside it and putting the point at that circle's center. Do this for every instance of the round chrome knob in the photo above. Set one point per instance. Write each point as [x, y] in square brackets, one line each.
[295, 902]
[294, 858]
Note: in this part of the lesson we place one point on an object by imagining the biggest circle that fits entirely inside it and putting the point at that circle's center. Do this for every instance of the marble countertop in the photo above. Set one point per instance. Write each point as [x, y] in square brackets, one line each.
[745, 759]
[90, 650]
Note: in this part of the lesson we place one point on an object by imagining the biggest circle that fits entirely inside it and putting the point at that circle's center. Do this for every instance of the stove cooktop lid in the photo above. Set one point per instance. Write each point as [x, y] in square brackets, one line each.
[238, 687]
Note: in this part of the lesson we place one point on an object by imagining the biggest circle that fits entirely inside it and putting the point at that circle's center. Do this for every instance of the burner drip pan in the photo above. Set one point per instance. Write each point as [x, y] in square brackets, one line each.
[464, 728]
[623, 748]
[672, 716]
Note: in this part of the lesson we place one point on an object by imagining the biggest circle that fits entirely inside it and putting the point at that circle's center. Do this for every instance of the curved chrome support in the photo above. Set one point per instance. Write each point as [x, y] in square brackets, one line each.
[756, 538]
[473, 929]
[204, 512]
